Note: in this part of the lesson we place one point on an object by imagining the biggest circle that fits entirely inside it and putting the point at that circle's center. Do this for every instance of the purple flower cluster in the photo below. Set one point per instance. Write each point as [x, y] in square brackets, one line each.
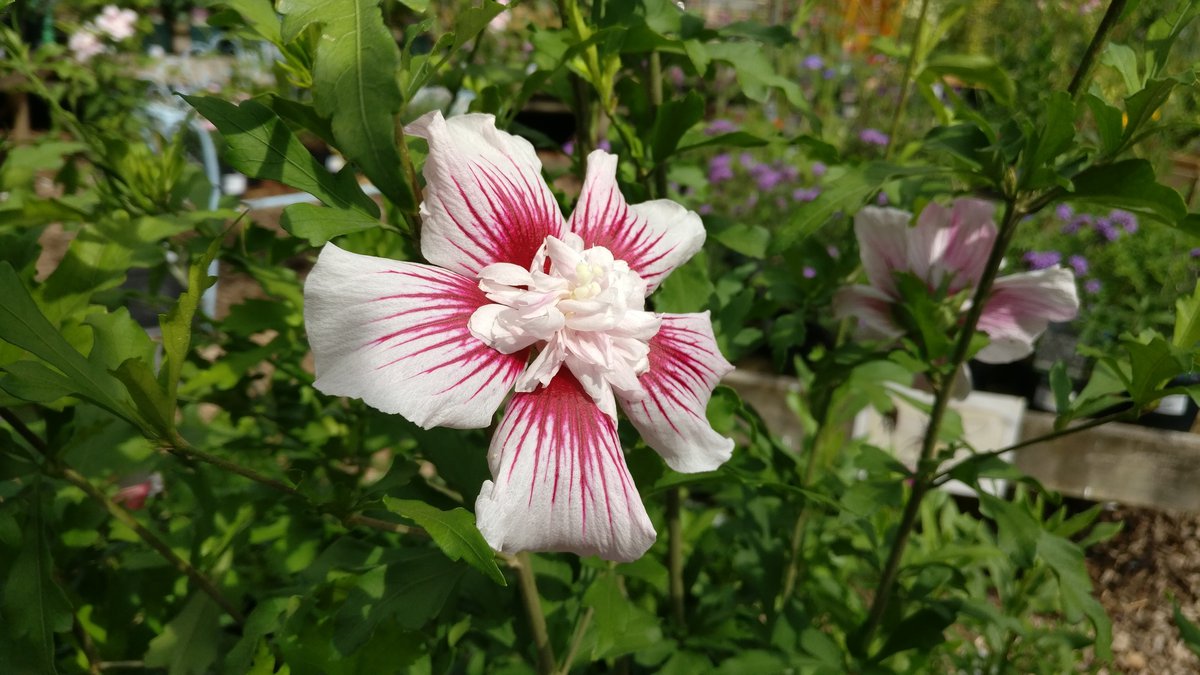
[814, 62]
[1040, 260]
[806, 194]
[720, 168]
[720, 126]
[873, 137]
[1109, 228]
[769, 176]
[1079, 264]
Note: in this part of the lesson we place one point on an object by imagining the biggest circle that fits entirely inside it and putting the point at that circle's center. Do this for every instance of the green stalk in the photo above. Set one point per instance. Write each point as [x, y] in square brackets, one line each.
[1084, 71]
[530, 598]
[906, 80]
[923, 482]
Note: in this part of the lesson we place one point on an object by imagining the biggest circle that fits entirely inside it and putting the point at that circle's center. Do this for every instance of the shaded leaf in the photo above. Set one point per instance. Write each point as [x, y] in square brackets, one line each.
[188, 644]
[319, 224]
[454, 532]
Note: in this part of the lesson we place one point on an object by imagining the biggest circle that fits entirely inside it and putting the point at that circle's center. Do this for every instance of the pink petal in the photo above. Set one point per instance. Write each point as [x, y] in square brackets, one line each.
[685, 366]
[870, 307]
[1019, 309]
[883, 244]
[653, 237]
[395, 335]
[560, 482]
[952, 242]
[485, 200]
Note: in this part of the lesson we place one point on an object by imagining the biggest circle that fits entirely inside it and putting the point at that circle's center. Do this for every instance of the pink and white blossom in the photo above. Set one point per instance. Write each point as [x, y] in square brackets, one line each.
[948, 249]
[85, 45]
[118, 24]
[518, 298]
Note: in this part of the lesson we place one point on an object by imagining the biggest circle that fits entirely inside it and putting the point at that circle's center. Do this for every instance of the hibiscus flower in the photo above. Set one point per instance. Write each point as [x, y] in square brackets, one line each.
[948, 249]
[516, 297]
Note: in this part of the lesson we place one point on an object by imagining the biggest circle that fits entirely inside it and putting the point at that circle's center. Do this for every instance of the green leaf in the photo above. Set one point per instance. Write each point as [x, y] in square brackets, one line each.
[31, 381]
[1187, 321]
[176, 325]
[923, 629]
[454, 532]
[1188, 631]
[618, 626]
[266, 618]
[319, 224]
[1017, 530]
[975, 69]
[1060, 384]
[23, 324]
[35, 607]
[1057, 131]
[1108, 123]
[1152, 365]
[354, 86]
[734, 139]
[749, 240]
[257, 15]
[846, 193]
[1124, 60]
[671, 121]
[148, 396]
[756, 74]
[1065, 559]
[688, 289]
[262, 146]
[1141, 105]
[188, 644]
[1130, 185]
[410, 592]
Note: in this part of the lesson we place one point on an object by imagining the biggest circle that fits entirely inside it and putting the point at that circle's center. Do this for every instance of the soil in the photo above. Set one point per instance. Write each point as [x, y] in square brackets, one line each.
[1151, 563]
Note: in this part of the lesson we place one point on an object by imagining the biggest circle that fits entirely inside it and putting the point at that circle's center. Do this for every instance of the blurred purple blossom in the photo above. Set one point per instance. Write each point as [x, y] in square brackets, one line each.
[1195, 253]
[1106, 228]
[747, 160]
[873, 137]
[704, 209]
[829, 73]
[1072, 226]
[1079, 264]
[1064, 212]
[604, 145]
[1092, 286]
[808, 272]
[720, 127]
[882, 199]
[806, 194]
[818, 169]
[833, 251]
[1125, 219]
[720, 168]
[569, 147]
[1040, 260]
[814, 62]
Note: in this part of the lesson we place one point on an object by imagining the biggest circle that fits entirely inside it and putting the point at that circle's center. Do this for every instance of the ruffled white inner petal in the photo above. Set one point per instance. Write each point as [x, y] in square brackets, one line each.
[583, 306]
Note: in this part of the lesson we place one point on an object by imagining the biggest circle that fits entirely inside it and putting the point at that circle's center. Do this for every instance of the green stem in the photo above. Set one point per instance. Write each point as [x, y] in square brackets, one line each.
[659, 173]
[798, 531]
[533, 611]
[922, 482]
[1125, 415]
[1088, 62]
[675, 556]
[906, 80]
[576, 641]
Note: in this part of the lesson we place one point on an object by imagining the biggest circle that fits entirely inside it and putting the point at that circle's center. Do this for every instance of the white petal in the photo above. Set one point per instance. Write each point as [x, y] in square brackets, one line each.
[395, 335]
[485, 200]
[653, 237]
[685, 366]
[883, 244]
[1019, 309]
[559, 481]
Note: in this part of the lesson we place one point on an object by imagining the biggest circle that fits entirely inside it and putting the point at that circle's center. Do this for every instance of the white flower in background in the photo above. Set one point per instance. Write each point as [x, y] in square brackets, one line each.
[118, 24]
[518, 297]
[85, 44]
[500, 23]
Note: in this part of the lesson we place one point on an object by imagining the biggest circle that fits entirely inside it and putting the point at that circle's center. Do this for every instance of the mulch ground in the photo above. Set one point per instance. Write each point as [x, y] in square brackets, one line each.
[1155, 557]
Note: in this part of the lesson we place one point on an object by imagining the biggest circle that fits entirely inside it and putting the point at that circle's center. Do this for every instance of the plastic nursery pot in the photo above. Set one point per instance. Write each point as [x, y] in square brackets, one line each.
[1176, 412]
